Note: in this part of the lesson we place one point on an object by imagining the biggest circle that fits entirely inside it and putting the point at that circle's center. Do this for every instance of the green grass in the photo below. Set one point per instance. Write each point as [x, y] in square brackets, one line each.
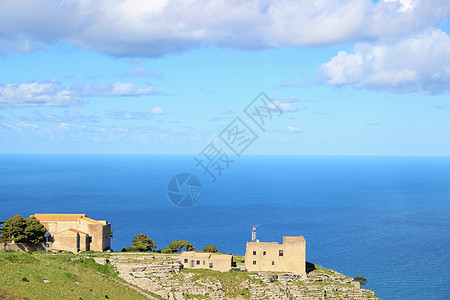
[193, 296]
[319, 269]
[22, 275]
[231, 281]
[238, 259]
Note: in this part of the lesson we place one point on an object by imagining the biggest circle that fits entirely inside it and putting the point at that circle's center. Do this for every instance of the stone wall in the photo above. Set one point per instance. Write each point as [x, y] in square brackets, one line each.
[23, 247]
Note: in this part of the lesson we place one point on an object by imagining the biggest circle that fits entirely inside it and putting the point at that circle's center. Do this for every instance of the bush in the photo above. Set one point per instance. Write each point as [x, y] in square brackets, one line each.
[20, 230]
[141, 243]
[210, 249]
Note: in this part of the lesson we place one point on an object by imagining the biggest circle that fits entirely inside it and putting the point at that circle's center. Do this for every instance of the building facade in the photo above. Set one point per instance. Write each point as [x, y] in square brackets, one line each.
[274, 257]
[76, 232]
[212, 261]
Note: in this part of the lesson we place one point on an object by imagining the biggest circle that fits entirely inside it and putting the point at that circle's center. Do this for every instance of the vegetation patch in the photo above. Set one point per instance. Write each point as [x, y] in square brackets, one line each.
[233, 283]
[23, 276]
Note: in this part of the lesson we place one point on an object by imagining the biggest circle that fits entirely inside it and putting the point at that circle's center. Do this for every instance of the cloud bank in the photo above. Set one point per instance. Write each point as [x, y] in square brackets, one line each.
[155, 28]
[54, 93]
[417, 64]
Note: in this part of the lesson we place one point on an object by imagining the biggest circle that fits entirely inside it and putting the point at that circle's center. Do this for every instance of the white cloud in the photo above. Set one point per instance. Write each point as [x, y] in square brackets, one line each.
[72, 116]
[38, 94]
[285, 107]
[54, 93]
[142, 72]
[154, 28]
[420, 63]
[294, 129]
[136, 115]
[285, 99]
[118, 89]
[27, 125]
[227, 112]
[158, 110]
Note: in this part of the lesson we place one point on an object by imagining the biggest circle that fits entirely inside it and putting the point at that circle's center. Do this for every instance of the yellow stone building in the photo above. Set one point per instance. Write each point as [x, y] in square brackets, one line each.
[199, 260]
[274, 257]
[76, 232]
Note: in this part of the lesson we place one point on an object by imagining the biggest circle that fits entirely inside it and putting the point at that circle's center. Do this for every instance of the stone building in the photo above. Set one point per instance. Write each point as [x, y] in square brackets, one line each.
[199, 260]
[274, 257]
[76, 232]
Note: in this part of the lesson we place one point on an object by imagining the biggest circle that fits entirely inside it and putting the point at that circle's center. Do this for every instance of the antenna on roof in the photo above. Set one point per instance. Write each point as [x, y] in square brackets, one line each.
[254, 233]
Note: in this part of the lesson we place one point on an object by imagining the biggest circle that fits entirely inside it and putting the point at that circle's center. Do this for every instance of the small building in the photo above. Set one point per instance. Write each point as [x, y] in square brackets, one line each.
[274, 257]
[212, 261]
[76, 232]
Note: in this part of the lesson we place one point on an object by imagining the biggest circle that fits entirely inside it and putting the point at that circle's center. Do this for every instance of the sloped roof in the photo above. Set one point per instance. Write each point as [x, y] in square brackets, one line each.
[65, 218]
[58, 217]
[195, 254]
[221, 256]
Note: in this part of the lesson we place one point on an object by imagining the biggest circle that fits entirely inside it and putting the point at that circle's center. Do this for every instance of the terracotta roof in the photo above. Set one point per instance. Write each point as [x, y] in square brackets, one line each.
[221, 256]
[66, 218]
[58, 217]
[291, 239]
[205, 255]
[93, 221]
[72, 230]
[195, 254]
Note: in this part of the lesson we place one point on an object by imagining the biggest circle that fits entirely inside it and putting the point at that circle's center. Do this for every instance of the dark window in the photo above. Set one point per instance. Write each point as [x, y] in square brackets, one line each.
[254, 252]
[185, 260]
[254, 262]
[210, 265]
[280, 253]
[203, 262]
[198, 262]
[264, 252]
[273, 263]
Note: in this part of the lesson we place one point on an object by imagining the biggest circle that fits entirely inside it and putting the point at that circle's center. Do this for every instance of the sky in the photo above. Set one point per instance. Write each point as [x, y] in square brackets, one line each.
[345, 77]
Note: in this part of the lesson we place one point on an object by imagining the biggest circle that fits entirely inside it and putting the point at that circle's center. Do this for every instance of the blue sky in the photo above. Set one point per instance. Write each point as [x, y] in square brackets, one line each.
[353, 77]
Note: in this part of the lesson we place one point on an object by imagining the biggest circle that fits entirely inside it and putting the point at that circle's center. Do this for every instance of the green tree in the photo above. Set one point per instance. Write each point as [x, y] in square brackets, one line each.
[210, 249]
[141, 243]
[20, 230]
[166, 250]
[361, 280]
[2, 239]
[34, 231]
[178, 246]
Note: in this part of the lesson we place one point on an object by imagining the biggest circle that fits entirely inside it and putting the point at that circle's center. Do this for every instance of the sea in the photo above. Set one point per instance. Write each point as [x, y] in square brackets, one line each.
[384, 218]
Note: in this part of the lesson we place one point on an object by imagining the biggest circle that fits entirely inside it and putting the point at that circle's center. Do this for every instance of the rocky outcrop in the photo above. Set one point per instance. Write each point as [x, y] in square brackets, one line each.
[163, 275]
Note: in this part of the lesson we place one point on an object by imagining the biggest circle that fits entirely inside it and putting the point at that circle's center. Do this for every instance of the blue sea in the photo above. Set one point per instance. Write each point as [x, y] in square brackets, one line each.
[384, 218]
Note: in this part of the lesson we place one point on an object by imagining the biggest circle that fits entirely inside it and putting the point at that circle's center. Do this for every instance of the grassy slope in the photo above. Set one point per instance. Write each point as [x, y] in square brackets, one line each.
[23, 275]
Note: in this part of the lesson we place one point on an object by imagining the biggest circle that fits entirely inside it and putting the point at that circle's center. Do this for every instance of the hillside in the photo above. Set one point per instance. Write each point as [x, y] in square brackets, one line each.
[163, 275]
[59, 276]
[156, 276]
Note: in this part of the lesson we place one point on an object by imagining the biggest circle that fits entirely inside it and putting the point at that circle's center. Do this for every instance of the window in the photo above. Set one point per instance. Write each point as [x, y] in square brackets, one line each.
[198, 262]
[273, 263]
[185, 260]
[210, 265]
[264, 252]
[280, 253]
[254, 252]
[204, 263]
[254, 262]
